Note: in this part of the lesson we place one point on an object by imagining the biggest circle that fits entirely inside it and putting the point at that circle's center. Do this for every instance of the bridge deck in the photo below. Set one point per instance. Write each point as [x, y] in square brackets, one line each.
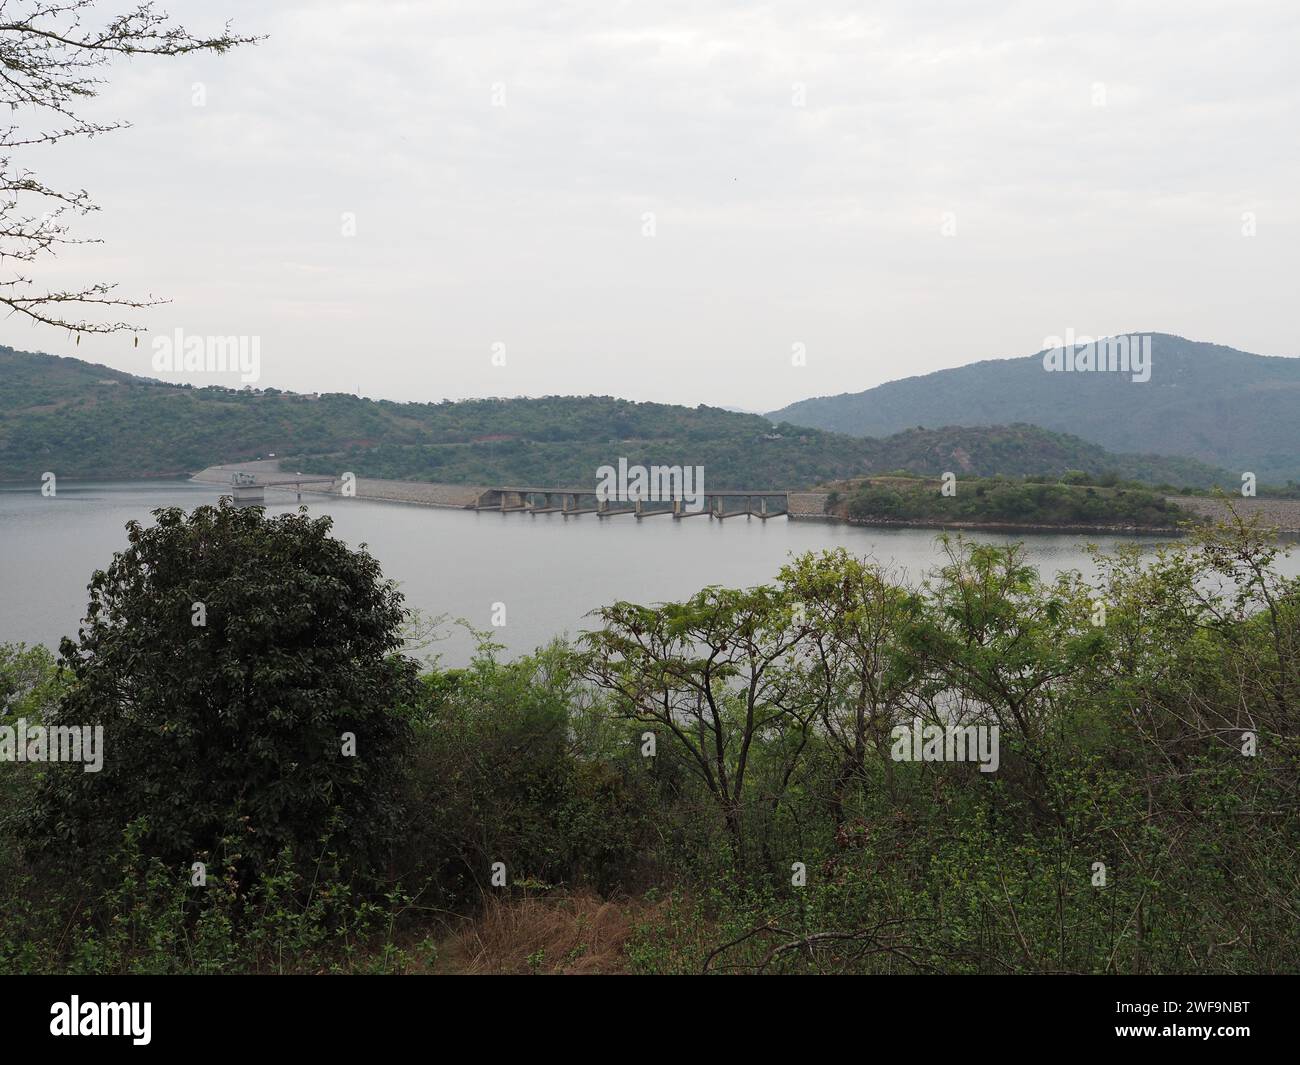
[727, 492]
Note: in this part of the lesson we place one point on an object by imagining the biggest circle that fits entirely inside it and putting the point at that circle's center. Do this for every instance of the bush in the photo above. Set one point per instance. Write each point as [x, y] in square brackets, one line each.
[227, 656]
[497, 777]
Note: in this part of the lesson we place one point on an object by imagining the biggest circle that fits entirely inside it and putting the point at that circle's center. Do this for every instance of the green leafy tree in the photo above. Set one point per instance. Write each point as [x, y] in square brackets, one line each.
[235, 663]
[718, 677]
[858, 618]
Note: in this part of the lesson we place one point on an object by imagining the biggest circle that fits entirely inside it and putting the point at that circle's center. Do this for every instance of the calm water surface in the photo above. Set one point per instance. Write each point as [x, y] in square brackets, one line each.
[548, 570]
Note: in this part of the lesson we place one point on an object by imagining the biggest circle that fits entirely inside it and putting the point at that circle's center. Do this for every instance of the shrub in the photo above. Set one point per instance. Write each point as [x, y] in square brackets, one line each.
[226, 655]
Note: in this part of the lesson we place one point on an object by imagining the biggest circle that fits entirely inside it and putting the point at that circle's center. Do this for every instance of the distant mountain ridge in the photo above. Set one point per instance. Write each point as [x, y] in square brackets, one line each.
[88, 422]
[1221, 406]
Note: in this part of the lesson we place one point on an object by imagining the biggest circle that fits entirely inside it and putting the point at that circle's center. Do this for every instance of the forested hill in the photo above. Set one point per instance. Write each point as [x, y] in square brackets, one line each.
[89, 422]
[1225, 407]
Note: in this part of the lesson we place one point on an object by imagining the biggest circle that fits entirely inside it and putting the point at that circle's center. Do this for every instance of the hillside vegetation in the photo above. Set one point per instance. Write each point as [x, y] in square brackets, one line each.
[89, 422]
[1215, 404]
[998, 500]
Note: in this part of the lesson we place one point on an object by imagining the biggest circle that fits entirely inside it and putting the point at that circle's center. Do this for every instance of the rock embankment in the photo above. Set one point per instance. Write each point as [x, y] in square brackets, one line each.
[420, 492]
[265, 470]
[1282, 514]
[808, 504]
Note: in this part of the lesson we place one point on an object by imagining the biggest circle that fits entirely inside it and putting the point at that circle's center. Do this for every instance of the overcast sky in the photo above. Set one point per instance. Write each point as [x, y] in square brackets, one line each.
[799, 160]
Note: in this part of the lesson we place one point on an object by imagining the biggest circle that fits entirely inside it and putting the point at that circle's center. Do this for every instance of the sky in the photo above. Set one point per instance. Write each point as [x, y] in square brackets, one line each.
[735, 204]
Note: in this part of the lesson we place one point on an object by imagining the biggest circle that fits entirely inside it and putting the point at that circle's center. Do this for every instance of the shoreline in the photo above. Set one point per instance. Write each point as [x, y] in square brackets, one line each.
[805, 506]
[1002, 526]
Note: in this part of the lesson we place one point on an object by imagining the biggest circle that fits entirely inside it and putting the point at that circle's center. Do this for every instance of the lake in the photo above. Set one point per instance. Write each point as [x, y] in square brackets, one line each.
[547, 569]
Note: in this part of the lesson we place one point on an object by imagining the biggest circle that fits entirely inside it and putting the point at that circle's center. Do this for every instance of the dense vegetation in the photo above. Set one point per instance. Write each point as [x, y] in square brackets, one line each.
[228, 659]
[88, 422]
[1204, 401]
[722, 770]
[1026, 502]
[777, 457]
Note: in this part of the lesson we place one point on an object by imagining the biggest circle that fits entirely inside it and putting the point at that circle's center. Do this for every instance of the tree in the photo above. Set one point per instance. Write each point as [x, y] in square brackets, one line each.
[229, 657]
[858, 618]
[998, 646]
[51, 61]
[718, 677]
[27, 681]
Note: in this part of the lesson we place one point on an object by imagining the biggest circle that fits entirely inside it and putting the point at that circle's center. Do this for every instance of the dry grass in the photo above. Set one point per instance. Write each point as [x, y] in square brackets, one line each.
[564, 934]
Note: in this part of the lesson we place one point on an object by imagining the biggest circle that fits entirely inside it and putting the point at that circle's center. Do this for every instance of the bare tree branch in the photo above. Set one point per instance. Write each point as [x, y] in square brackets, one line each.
[50, 61]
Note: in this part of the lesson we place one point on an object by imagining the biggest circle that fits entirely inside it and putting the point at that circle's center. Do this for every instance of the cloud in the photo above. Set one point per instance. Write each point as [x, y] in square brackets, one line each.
[800, 162]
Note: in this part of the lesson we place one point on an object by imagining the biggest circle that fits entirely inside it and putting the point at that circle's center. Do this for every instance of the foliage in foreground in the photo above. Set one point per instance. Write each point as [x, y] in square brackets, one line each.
[723, 772]
[242, 669]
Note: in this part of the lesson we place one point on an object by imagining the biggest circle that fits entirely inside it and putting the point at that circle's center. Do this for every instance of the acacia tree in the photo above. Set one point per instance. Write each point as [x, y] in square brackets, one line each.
[52, 56]
[856, 652]
[1000, 646]
[718, 675]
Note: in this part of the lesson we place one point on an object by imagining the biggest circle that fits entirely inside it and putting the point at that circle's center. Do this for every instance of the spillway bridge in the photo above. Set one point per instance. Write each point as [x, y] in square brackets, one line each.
[732, 503]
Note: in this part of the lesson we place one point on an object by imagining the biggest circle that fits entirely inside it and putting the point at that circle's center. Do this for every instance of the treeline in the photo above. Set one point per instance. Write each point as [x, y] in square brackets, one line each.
[727, 770]
[90, 423]
[748, 456]
[1025, 502]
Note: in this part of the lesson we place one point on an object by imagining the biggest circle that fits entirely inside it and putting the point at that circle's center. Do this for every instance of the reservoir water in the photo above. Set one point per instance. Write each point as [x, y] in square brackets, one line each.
[548, 570]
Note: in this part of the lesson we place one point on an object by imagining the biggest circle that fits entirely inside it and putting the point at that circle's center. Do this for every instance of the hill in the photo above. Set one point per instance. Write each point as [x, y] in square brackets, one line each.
[1221, 406]
[91, 423]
